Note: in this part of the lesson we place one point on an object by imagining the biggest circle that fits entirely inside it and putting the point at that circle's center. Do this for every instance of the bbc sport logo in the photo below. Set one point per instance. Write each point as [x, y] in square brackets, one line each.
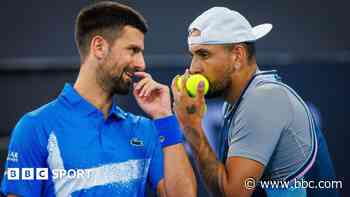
[43, 173]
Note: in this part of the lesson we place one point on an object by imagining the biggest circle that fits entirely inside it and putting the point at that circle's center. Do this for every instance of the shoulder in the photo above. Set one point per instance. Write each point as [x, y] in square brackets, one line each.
[38, 115]
[269, 90]
[267, 95]
[44, 112]
[268, 102]
[31, 125]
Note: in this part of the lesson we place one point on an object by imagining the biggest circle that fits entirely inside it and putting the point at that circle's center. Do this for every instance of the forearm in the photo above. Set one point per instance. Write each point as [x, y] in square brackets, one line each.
[179, 179]
[212, 170]
[178, 173]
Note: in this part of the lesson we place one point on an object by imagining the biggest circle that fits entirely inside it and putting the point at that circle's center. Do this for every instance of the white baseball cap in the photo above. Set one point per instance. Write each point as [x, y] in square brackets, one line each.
[220, 25]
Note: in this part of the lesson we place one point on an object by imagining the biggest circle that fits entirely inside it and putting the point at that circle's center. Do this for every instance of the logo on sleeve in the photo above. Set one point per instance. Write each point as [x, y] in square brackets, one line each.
[12, 156]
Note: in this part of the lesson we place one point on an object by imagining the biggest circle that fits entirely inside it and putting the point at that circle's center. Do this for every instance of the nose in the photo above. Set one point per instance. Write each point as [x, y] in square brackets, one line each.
[195, 67]
[139, 62]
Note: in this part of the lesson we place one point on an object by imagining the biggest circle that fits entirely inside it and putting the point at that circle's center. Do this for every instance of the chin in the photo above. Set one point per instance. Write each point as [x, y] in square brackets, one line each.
[216, 94]
[121, 87]
[122, 91]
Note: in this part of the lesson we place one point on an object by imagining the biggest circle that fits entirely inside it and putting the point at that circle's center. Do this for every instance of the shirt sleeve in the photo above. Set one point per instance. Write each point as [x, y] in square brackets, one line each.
[24, 152]
[258, 123]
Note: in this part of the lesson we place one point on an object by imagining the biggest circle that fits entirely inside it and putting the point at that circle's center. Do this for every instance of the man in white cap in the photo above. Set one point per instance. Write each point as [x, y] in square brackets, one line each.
[268, 133]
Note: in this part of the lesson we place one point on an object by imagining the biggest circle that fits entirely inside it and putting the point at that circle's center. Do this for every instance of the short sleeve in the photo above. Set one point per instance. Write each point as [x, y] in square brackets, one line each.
[24, 151]
[258, 123]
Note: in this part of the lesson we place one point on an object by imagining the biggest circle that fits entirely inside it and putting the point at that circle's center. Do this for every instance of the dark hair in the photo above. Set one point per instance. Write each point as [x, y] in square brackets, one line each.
[107, 19]
[249, 47]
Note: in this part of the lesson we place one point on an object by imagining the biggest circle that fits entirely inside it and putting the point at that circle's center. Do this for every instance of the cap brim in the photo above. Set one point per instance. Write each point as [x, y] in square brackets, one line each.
[260, 31]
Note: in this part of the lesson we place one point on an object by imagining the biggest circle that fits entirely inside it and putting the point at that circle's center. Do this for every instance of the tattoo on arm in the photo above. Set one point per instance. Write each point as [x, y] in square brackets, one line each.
[212, 170]
[191, 109]
[193, 137]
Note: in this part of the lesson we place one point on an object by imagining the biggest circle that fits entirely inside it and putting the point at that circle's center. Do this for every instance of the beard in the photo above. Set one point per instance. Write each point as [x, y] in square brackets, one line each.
[114, 84]
[217, 88]
[215, 91]
[120, 85]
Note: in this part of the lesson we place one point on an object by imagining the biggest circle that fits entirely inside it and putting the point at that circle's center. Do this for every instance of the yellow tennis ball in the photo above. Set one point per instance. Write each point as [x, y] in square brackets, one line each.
[192, 84]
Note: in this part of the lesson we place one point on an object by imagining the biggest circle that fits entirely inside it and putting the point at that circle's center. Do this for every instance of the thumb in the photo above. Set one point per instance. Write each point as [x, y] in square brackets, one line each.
[135, 92]
[200, 90]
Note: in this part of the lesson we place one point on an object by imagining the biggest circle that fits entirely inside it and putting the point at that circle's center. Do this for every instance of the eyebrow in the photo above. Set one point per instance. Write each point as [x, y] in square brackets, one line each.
[137, 47]
[200, 51]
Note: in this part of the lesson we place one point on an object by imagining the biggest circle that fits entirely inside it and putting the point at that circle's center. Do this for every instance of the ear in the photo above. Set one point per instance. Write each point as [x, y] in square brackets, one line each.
[99, 47]
[239, 56]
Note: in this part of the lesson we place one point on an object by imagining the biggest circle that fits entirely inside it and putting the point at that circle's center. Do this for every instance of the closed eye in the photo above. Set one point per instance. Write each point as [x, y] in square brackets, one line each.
[202, 53]
[135, 50]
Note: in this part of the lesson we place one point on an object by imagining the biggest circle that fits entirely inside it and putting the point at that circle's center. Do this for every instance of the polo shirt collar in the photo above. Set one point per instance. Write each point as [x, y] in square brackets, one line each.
[73, 98]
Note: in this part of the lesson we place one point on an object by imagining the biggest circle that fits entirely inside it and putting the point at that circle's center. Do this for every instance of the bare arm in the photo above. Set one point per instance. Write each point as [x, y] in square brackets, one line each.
[221, 179]
[179, 179]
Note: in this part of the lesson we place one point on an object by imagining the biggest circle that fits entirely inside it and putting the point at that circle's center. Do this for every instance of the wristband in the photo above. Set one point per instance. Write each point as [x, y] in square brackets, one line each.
[169, 131]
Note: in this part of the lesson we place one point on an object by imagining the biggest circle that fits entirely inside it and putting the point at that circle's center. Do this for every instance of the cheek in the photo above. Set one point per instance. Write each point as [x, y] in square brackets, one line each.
[116, 60]
[112, 67]
[219, 75]
[216, 72]
[123, 61]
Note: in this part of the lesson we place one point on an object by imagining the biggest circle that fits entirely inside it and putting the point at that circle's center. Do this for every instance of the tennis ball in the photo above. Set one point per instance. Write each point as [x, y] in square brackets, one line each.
[192, 84]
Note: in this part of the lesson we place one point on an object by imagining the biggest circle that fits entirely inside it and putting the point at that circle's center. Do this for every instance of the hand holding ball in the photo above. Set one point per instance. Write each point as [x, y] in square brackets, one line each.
[192, 84]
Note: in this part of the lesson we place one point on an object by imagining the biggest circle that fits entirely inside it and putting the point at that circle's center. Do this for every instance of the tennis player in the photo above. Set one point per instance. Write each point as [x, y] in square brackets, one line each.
[84, 132]
[268, 131]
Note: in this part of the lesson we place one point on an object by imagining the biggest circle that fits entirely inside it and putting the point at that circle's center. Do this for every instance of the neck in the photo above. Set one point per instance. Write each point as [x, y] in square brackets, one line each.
[87, 86]
[239, 80]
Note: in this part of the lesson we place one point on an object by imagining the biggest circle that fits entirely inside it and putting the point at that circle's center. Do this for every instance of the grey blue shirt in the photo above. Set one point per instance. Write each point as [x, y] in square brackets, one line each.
[270, 125]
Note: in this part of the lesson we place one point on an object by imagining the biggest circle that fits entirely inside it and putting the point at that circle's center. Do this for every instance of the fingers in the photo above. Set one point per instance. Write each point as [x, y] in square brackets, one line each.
[142, 74]
[174, 89]
[139, 86]
[184, 80]
[181, 96]
[176, 92]
[147, 85]
[134, 92]
[180, 88]
[145, 78]
[200, 93]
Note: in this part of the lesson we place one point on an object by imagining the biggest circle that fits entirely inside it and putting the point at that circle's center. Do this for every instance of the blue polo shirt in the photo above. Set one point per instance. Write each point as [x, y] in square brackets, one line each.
[117, 155]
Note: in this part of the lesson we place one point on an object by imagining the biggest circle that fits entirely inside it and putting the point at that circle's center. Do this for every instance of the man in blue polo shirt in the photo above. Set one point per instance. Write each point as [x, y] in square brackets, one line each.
[82, 143]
